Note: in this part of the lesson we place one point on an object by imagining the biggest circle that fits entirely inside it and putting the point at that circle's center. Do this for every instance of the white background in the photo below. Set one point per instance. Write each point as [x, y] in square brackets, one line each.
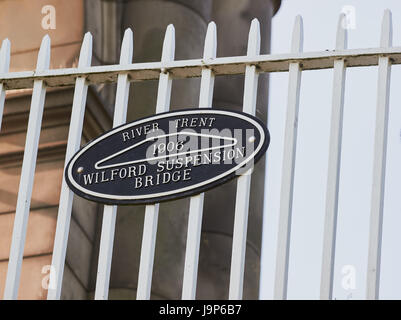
[320, 23]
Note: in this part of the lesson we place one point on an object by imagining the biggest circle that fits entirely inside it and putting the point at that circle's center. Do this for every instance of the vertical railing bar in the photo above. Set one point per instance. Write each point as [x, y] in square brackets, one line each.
[379, 162]
[287, 179]
[4, 66]
[333, 180]
[244, 181]
[110, 212]
[27, 175]
[196, 202]
[66, 195]
[152, 211]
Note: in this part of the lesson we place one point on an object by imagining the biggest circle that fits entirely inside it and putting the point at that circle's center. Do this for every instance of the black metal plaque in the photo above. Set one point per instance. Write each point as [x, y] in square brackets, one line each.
[167, 156]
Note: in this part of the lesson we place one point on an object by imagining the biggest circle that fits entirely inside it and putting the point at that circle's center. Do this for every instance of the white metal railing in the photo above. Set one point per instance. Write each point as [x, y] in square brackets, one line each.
[206, 68]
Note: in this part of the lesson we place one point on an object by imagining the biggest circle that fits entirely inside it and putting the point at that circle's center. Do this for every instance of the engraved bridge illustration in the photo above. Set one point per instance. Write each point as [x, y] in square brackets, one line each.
[232, 143]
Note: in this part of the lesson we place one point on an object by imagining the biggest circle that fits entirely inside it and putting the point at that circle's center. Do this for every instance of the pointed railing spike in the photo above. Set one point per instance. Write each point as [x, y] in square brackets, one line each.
[386, 38]
[209, 51]
[168, 44]
[4, 66]
[85, 55]
[127, 47]
[342, 34]
[5, 56]
[297, 42]
[254, 38]
[44, 54]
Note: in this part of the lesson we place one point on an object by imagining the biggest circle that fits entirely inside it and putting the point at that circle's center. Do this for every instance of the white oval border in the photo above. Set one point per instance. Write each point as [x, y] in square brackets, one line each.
[161, 116]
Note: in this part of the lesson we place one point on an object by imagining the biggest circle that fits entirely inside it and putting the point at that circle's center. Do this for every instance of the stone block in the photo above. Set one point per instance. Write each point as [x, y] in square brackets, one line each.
[34, 277]
[40, 232]
[15, 142]
[21, 23]
[46, 187]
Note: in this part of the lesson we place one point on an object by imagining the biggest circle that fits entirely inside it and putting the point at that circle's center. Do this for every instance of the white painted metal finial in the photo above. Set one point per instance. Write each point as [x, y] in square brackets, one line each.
[127, 47]
[85, 56]
[5, 56]
[210, 48]
[386, 38]
[342, 33]
[43, 62]
[297, 42]
[168, 44]
[254, 38]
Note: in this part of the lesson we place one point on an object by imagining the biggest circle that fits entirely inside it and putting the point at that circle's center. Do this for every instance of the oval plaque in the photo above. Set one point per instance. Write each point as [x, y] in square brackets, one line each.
[167, 156]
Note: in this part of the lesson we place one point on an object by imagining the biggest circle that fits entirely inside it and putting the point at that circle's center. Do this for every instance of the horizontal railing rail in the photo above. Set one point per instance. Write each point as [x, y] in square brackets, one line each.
[193, 68]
